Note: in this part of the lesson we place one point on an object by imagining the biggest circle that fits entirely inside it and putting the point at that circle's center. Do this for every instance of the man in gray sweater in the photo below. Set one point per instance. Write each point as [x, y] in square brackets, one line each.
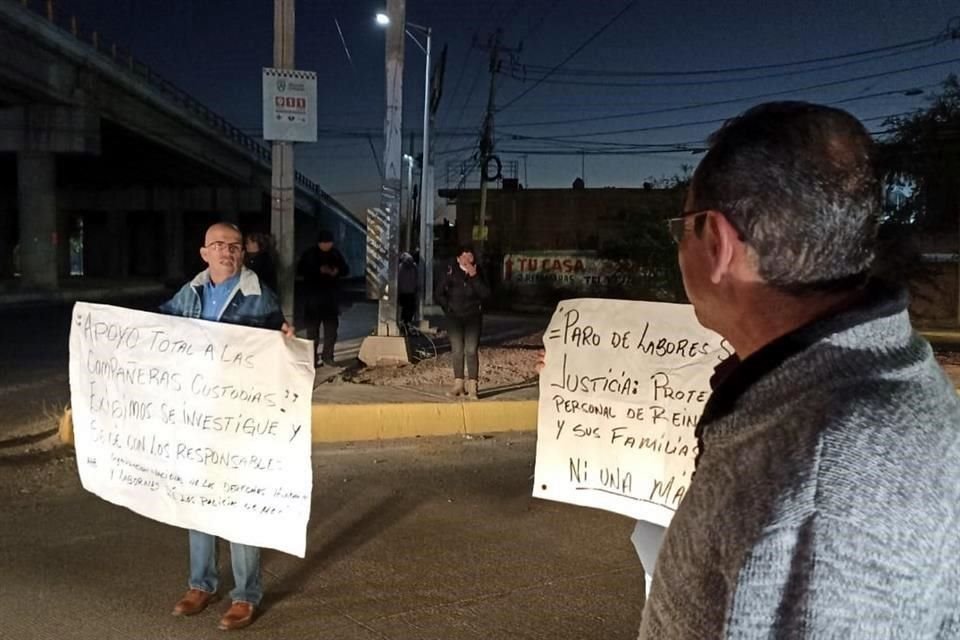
[826, 501]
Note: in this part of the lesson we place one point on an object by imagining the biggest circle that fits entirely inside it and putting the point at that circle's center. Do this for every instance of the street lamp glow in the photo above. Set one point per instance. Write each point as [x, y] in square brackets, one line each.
[383, 19]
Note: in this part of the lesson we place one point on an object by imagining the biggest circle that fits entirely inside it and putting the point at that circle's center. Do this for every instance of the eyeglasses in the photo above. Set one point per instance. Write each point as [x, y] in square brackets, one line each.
[220, 246]
[678, 226]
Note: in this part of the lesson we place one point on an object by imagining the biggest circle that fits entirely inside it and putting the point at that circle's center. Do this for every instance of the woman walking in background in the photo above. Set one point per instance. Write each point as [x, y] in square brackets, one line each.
[461, 293]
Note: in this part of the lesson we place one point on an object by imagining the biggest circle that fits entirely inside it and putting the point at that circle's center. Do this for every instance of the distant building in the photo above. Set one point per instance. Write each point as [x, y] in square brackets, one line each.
[541, 245]
[552, 219]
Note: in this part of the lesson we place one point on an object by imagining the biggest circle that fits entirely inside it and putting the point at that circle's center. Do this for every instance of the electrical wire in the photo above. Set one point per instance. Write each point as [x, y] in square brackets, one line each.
[596, 34]
[717, 81]
[922, 42]
[701, 105]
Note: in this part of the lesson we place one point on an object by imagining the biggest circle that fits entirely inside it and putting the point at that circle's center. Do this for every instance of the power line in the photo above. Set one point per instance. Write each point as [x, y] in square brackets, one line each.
[511, 14]
[543, 18]
[701, 105]
[940, 37]
[473, 87]
[698, 83]
[584, 45]
[713, 121]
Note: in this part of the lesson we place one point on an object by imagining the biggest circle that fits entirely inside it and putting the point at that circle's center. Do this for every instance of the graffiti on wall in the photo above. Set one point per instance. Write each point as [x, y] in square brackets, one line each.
[578, 271]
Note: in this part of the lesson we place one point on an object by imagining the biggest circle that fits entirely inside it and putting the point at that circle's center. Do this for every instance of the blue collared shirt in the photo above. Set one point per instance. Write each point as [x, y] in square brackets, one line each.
[215, 298]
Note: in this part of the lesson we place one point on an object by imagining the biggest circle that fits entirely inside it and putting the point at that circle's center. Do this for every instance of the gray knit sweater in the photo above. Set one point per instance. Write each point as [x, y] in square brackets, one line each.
[826, 501]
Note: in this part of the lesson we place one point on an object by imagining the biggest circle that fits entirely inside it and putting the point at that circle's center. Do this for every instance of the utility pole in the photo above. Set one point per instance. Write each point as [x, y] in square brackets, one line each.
[388, 346]
[433, 92]
[392, 163]
[282, 196]
[487, 138]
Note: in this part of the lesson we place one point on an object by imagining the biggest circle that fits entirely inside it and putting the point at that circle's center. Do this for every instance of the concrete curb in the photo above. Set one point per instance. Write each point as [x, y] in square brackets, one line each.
[944, 336]
[390, 420]
[345, 422]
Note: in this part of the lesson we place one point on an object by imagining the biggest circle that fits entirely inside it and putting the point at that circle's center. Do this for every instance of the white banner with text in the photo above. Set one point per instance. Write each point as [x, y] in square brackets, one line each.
[623, 388]
[201, 425]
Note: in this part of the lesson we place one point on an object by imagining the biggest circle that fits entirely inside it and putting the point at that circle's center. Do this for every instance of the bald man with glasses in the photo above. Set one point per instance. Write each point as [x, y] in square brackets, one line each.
[225, 291]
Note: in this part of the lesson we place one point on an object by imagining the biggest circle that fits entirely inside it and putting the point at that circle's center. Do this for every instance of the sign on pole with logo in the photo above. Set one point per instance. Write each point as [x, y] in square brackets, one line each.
[623, 388]
[289, 105]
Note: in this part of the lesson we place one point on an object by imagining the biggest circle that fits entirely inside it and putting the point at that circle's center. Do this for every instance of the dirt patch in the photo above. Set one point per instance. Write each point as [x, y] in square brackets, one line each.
[513, 362]
[499, 366]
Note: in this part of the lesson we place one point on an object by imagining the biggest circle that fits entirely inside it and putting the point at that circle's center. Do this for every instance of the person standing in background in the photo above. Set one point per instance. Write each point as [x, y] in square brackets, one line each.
[461, 294]
[260, 258]
[407, 277]
[322, 267]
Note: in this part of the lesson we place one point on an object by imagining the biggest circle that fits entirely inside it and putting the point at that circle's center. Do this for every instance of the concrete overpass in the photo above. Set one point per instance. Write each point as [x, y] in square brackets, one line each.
[102, 158]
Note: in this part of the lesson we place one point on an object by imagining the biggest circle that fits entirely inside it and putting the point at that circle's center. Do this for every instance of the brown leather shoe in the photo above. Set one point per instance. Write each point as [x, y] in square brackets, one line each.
[193, 601]
[238, 616]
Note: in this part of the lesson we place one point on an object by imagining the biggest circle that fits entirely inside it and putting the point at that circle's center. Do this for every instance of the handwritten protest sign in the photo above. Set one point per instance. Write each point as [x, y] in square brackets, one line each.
[623, 388]
[197, 424]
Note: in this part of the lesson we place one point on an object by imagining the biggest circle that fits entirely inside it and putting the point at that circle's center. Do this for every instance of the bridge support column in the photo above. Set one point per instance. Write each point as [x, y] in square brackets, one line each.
[39, 230]
[173, 222]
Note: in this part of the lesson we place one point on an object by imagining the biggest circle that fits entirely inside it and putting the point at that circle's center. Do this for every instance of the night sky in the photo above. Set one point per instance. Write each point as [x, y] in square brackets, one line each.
[678, 68]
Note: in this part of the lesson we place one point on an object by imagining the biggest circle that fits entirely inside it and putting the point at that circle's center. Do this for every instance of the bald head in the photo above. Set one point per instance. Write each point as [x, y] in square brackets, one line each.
[219, 228]
[222, 250]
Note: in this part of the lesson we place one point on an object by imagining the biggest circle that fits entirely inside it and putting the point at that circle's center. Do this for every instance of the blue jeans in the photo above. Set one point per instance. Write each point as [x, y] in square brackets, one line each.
[246, 568]
[464, 334]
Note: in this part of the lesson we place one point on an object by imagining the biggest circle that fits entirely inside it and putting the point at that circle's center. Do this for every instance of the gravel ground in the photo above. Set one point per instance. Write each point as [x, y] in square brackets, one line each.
[513, 362]
[498, 366]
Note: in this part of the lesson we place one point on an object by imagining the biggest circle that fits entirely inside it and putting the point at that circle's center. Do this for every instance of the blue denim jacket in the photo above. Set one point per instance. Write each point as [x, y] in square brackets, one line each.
[250, 304]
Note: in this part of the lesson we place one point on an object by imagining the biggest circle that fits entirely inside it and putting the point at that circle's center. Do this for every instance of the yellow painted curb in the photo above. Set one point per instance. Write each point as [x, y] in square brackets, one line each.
[65, 428]
[342, 422]
[941, 336]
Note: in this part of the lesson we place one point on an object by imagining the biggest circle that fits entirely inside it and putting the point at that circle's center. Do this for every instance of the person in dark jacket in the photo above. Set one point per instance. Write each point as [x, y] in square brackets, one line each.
[322, 267]
[260, 259]
[225, 292]
[461, 293]
[407, 276]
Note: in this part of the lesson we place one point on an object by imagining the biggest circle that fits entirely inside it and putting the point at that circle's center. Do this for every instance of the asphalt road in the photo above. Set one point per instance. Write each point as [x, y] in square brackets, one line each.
[430, 538]
[34, 385]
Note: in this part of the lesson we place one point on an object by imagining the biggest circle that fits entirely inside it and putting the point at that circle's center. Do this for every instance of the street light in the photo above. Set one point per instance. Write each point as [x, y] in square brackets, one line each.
[426, 190]
[408, 223]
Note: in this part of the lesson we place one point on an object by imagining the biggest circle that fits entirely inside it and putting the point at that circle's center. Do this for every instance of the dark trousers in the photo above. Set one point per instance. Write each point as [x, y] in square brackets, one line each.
[464, 336]
[408, 307]
[330, 325]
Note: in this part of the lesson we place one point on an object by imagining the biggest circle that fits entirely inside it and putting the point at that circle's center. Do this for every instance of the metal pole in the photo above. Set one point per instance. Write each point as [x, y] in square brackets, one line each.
[487, 142]
[282, 189]
[406, 208]
[426, 195]
[392, 161]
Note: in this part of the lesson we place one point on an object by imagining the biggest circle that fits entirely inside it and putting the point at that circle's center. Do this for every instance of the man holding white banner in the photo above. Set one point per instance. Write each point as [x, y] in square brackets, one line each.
[225, 292]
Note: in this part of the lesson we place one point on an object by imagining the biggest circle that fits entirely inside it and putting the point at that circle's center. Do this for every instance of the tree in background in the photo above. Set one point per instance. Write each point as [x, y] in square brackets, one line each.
[645, 255]
[919, 161]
